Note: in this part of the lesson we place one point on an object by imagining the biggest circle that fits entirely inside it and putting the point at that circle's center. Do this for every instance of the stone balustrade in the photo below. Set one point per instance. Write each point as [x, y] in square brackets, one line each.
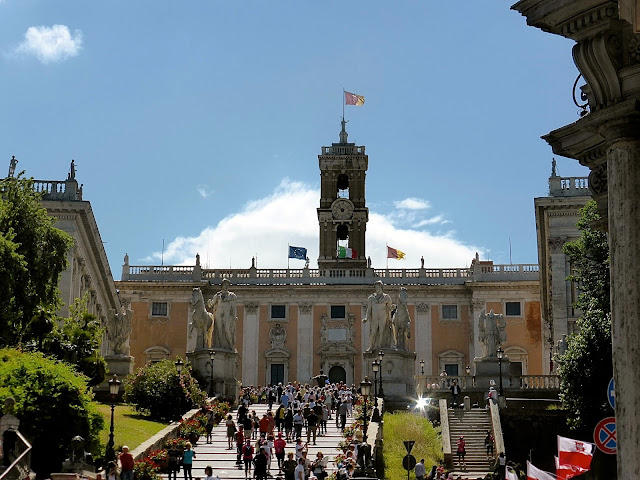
[337, 276]
[569, 186]
[435, 383]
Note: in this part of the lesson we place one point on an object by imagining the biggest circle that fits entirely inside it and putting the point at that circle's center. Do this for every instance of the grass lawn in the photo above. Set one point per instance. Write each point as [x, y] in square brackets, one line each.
[402, 426]
[130, 427]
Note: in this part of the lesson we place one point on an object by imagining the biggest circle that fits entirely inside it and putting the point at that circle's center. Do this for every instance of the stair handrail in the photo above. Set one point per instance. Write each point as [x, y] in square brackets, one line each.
[21, 466]
[444, 432]
[497, 427]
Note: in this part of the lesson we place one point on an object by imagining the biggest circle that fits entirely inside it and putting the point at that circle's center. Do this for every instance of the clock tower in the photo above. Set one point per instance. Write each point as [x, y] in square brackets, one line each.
[343, 213]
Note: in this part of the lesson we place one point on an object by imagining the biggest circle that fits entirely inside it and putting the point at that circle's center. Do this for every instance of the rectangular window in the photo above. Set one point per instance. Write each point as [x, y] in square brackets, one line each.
[277, 373]
[159, 309]
[278, 311]
[512, 309]
[449, 312]
[451, 369]
[338, 311]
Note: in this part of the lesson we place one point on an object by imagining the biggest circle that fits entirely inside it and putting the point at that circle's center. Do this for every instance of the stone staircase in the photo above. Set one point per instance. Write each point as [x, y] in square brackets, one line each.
[223, 460]
[473, 424]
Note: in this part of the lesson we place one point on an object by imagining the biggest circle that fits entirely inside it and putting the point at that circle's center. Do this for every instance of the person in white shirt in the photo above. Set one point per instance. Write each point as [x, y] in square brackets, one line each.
[299, 471]
[420, 470]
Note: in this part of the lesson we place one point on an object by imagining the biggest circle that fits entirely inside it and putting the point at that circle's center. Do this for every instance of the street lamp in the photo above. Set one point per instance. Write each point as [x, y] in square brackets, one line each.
[212, 355]
[365, 390]
[114, 387]
[500, 355]
[179, 364]
[380, 358]
[422, 367]
[376, 412]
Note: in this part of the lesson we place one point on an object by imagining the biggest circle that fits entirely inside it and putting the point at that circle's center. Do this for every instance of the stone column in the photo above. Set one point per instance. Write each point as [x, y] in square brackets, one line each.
[250, 344]
[477, 305]
[623, 171]
[559, 300]
[304, 348]
[424, 341]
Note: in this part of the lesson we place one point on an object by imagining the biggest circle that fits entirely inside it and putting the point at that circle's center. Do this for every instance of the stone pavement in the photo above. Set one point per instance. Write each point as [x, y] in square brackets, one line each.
[223, 460]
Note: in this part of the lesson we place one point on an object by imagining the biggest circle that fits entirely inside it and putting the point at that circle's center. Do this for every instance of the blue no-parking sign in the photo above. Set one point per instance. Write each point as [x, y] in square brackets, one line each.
[611, 394]
[605, 435]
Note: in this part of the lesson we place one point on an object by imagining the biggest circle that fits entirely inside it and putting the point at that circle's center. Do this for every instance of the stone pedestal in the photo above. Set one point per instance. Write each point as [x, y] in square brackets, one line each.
[397, 371]
[225, 369]
[487, 369]
[121, 365]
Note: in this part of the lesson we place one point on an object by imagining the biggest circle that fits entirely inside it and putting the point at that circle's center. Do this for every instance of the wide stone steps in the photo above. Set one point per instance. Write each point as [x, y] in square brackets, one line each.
[223, 460]
[473, 424]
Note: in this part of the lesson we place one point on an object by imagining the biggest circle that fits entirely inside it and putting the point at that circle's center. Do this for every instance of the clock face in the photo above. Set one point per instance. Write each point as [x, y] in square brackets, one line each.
[342, 209]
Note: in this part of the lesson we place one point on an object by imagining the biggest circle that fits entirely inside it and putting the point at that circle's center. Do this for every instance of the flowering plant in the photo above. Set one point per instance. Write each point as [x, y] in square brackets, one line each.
[145, 470]
[158, 455]
[190, 427]
[179, 443]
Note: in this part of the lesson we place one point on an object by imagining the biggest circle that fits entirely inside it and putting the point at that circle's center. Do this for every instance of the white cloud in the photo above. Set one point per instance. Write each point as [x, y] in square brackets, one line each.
[204, 191]
[51, 44]
[412, 203]
[264, 227]
[437, 220]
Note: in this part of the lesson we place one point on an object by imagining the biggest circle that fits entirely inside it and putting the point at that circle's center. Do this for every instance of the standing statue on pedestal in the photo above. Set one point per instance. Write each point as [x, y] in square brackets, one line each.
[381, 333]
[201, 321]
[223, 305]
[402, 321]
[492, 334]
[118, 329]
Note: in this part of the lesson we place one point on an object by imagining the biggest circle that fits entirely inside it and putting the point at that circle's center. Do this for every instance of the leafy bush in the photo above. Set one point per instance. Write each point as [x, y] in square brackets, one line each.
[158, 390]
[53, 404]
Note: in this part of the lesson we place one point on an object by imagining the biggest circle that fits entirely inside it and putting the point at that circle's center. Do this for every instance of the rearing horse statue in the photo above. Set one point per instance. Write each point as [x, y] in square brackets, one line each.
[201, 321]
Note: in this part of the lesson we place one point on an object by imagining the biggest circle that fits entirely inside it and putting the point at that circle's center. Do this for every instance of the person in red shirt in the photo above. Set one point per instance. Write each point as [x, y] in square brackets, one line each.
[264, 425]
[239, 443]
[247, 457]
[126, 464]
[278, 445]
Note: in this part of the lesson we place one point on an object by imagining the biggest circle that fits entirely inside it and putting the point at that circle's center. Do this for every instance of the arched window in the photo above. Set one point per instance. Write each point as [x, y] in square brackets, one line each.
[343, 186]
[519, 359]
[155, 354]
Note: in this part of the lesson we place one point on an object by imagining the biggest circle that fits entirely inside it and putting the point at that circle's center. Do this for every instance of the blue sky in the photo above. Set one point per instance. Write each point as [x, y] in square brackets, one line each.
[200, 122]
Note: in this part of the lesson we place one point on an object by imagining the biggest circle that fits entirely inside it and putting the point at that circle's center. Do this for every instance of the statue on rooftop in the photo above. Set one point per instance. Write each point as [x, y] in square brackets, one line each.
[492, 333]
[223, 305]
[201, 321]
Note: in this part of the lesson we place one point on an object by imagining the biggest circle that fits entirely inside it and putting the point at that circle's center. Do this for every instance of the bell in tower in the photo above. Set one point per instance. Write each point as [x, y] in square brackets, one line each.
[343, 214]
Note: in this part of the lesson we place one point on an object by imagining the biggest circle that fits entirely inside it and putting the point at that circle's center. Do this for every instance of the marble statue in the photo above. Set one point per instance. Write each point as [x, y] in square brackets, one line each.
[201, 321]
[223, 305]
[118, 329]
[379, 314]
[492, 333]
[402, 321]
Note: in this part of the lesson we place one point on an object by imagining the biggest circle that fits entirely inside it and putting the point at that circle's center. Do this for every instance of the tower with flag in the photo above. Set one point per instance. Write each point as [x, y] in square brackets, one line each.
[343, 213]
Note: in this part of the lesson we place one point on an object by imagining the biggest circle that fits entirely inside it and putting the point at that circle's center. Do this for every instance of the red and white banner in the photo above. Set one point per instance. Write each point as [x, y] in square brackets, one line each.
[534, 473]
[575, 452]
[565, 472]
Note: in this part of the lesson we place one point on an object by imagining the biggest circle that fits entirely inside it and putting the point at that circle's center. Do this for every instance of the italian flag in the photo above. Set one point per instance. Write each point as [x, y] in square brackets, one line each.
[344, 252]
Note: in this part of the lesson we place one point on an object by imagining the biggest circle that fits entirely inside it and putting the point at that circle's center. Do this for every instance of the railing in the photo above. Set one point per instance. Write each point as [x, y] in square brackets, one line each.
[58, 189]
[343, 150]
[536, 382]
[332, 276]
[569, 186]
[20, 467]
[434, 383]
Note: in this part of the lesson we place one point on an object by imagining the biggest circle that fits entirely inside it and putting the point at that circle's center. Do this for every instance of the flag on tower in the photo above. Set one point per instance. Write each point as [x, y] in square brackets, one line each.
[534, 473]
[575, 452]
[353, 99]
[394, 253]
[297, 252]
[344, 252]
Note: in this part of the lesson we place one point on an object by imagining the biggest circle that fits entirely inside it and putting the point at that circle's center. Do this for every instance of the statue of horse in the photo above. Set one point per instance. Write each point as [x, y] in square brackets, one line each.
[402, 321]
[201, 321]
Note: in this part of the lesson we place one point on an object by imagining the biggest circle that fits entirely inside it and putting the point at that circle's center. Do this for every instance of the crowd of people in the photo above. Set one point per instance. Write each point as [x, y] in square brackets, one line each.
[276, 442]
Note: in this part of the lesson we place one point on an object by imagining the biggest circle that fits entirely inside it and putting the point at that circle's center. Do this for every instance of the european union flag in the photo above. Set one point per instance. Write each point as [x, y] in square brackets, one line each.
[297, 252]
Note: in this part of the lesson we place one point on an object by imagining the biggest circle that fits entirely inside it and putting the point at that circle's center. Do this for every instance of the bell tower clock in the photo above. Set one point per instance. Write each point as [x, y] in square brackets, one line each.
[343, 213]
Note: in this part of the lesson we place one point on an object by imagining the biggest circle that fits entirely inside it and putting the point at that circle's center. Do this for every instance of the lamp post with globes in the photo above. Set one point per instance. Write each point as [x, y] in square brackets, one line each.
[365, 390]
[114, 387]
[375, 417]
[179, 364]
[212, 356]
[500, 355]
[380, 359]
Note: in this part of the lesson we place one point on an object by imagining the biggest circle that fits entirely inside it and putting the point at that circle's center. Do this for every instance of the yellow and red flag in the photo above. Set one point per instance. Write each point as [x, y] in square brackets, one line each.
[353, 99]
[394, 253]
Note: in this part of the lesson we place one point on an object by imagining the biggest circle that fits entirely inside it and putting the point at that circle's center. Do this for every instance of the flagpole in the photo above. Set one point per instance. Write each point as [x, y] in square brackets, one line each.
[343, 101]
[387, 245]
[288, 248]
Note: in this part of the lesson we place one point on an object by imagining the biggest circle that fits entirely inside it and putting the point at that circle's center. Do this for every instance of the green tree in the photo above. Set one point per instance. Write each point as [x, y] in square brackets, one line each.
[33, 253]
[586, 367]
[53, 403]
[77, 340]
[158, 390]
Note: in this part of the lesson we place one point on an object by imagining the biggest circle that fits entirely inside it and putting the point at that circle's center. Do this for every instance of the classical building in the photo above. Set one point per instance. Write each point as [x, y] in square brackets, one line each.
[292, 323]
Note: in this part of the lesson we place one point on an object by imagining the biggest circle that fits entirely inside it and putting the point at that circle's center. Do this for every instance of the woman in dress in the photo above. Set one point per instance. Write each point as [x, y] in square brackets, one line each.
[461, 450]
[231, 432]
